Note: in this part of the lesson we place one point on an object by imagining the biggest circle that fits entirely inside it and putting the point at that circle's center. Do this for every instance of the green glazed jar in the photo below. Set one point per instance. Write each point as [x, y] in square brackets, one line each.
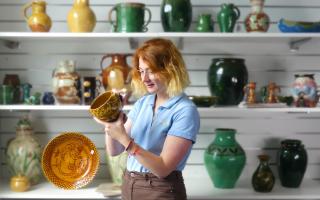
[224, 159]
[292, 163]
[263, 179]
[226, 79]
[176, 15]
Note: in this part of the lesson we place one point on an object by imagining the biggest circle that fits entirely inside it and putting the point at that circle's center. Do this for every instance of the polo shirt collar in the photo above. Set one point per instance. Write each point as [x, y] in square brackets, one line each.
[170, 101]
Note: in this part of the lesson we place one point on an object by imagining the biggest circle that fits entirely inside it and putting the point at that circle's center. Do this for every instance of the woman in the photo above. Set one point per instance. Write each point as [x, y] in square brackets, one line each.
[161, 127]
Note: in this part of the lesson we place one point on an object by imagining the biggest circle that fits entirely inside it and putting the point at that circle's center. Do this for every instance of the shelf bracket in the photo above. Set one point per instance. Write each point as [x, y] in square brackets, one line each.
[10, 44]
[134, 43]
[294, 45]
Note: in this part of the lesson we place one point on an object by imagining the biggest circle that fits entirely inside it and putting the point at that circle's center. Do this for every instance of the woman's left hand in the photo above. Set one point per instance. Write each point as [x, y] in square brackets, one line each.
[114, 129]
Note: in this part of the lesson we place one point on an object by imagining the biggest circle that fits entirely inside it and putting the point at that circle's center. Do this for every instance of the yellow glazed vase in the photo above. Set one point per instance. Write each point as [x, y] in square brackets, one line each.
[81, 18]
[38, 21]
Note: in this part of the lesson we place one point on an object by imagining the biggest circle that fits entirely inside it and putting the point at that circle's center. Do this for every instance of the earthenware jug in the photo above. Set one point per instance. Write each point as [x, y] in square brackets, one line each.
[250, 93]
[130, 17]
[14, 81]
[263, 179]
[117, 76]
[38, 21]
[23, 153]
[176, 15]
[304, 90]
[292, 162]
[224, 159]
[81, 17]
[66, 83]
[117, 165]
[257, 20]
[227, 17]
[226, 79]
[204, 23]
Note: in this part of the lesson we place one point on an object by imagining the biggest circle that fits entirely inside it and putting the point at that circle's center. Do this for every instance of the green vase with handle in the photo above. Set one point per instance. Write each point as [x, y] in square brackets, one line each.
[224, 159]
[227, 17]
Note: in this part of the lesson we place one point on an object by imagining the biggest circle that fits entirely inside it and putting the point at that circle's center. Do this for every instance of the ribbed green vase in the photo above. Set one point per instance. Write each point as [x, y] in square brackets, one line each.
[224, 159]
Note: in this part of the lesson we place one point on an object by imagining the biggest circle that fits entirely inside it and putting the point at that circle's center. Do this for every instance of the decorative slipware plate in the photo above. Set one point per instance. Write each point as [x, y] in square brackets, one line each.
[70, 160]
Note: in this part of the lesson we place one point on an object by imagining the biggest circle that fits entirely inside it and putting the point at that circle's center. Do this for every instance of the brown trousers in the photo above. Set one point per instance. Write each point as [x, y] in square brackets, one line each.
[146, 186]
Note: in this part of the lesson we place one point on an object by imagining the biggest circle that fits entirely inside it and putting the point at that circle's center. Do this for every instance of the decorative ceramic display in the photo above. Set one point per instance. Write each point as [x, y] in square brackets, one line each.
[205, 23]
[224, 159]
[81, 17]
[290, 26]
[226, 79]
[263, 179]
[292, 163]
[117, 76]
[270, 93]
[48, 98]
[176, 15]
[257, 20]
[304, 90]
[66, 84]
[250, 93]
[227, 17]
[38, 21]
[24, 153]
[14, 81]
[70, 160]
[19, 183]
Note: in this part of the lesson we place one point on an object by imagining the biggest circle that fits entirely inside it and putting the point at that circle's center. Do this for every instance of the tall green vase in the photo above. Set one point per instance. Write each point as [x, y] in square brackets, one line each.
[224, 159]
[176, 15]
[226, 79]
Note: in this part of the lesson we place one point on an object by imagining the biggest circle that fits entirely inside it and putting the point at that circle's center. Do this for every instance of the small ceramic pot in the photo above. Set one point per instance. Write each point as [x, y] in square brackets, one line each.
[107, 106]
[19, 183]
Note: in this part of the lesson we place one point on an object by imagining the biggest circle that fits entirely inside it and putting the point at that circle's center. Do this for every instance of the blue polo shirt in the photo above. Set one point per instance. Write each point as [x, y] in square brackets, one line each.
[178, 117]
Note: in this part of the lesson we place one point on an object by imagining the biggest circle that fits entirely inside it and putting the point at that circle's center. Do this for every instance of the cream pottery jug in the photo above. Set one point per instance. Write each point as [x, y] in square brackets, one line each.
[66, 83]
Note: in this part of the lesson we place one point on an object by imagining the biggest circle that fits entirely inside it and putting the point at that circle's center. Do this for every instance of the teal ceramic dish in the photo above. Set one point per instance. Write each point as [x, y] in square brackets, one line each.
[203, 101]
[288, 26]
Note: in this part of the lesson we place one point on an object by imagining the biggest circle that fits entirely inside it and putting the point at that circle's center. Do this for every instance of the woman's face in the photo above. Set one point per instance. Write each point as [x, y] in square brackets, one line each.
[151, 80]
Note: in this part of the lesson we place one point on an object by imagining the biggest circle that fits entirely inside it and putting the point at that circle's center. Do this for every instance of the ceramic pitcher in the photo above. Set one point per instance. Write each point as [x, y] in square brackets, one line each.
[81, 17]
[38, 21]
[227, 17]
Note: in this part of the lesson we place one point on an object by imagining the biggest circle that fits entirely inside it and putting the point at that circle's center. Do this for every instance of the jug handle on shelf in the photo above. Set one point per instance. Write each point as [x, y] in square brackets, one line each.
[25, 9]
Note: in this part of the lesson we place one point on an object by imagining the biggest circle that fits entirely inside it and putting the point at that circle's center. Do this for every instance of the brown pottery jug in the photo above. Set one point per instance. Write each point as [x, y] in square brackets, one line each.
[117, 76]
[38, 21]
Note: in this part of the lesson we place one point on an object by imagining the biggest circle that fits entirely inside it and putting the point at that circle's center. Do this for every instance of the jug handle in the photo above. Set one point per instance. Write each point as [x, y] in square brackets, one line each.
[113, 24]
[145, 29]
[102, 59]
[237, 11]
[25, 8]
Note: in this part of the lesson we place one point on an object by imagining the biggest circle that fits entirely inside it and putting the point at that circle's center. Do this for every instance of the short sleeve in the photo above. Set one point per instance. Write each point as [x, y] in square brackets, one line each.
[186, 123]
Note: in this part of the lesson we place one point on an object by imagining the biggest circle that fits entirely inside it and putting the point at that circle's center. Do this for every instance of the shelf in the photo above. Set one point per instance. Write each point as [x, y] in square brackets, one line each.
[202, 110]
[197, 189]
[188, 42]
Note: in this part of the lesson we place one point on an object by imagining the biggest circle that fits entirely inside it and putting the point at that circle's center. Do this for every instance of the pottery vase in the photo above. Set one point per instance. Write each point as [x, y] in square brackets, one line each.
[13, 80]
[227, 17]
[292, 163]
[117, 76]
[204, 23]
[66, 83]
[117, 165]
[81, 17]
[38, 21]
[304, 91]
[48, 98]
[263, 179]
[226, 79]
[257, 20]
[176, 15]
[224, 159]
[23, 153]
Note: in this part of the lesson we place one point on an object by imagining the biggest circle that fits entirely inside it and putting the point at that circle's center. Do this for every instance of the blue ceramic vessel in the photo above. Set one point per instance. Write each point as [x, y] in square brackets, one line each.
[288, 26]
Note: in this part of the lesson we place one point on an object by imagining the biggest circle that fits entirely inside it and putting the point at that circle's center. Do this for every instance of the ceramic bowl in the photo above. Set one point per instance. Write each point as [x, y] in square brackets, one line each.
[289, 26]
[107, 106]
[203, 101]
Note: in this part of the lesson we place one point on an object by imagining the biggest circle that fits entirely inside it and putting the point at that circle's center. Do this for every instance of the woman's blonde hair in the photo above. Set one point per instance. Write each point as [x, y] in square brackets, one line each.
[163, 59]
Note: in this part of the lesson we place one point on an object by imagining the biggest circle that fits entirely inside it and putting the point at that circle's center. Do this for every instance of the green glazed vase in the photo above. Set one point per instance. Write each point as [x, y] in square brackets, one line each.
[224, 159]
[292, 163]
[176, 15]
[227, 17]
[117, 165]
[263, 179]
[226, 79]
